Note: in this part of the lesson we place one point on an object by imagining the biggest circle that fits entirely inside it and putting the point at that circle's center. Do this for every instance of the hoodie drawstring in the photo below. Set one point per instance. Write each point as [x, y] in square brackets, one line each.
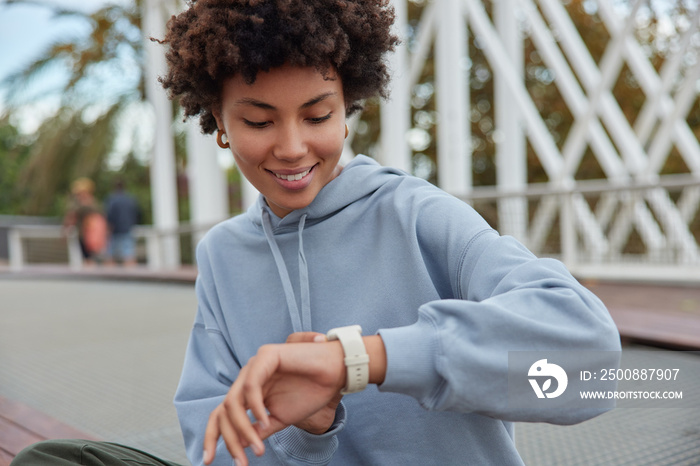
[304, 281]
[300, 322]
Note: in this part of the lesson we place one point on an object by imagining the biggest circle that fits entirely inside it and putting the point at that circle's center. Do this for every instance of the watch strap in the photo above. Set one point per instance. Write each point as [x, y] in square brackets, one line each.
[356, 357]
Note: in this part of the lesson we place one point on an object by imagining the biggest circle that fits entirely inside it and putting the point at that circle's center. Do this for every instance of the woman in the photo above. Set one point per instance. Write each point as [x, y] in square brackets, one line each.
[85, 215]
[442, 298]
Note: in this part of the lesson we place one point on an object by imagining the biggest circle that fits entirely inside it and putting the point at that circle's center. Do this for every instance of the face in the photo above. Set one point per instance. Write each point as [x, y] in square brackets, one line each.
[286, 132]
[83, 196]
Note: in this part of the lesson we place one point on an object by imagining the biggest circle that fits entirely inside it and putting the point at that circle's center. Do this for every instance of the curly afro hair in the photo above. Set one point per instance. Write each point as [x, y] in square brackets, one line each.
[215, 39]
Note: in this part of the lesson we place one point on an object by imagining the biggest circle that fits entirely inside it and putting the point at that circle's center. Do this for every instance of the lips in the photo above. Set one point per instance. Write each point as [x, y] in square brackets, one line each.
[294, 177]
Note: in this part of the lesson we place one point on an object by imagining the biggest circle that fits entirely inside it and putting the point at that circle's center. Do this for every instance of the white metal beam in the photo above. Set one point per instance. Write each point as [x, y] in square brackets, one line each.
[423, 43]
[511, 156]
[542, 222]
[673, 123]
[452, 82]
[395, 113]
[163, 173]
[208, 188]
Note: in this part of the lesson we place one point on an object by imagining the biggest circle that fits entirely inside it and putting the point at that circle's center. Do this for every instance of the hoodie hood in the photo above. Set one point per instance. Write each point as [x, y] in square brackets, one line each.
[358, 179]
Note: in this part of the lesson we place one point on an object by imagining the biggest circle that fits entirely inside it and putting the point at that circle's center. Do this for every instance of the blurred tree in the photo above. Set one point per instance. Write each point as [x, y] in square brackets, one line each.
[103, 86]
[13, 156]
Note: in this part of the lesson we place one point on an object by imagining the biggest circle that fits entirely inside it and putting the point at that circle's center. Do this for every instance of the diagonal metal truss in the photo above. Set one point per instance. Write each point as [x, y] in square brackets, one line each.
[631, 155]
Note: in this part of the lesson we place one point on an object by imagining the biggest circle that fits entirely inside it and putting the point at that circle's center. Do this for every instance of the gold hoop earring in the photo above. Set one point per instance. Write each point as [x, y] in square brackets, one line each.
[220, 135]
[347, 131]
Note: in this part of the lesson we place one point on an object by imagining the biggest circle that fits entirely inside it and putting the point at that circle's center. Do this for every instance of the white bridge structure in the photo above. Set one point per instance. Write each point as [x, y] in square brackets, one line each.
[593, 220]
[632, 223]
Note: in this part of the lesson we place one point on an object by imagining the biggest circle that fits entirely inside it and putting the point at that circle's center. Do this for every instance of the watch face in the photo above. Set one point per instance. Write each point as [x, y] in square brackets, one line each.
[333, 333]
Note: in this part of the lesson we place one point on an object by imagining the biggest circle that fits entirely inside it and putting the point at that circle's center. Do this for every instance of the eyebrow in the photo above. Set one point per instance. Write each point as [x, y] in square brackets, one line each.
[266, 106]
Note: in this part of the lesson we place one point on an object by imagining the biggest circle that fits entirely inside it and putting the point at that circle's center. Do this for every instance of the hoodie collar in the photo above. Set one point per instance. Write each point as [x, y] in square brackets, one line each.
[358, 179]
[361, 177]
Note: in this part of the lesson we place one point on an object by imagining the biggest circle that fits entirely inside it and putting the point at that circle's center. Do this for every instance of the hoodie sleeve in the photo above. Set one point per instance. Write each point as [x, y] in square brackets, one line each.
[210, 368]
[503, 299]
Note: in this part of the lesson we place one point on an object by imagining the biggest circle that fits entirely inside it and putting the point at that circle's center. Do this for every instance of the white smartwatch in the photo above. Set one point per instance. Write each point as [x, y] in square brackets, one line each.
[356, 357]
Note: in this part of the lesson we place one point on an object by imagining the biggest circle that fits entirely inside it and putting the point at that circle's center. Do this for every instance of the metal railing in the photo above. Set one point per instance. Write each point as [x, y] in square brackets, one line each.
[627, 230]
[630, 230]
[53, 244]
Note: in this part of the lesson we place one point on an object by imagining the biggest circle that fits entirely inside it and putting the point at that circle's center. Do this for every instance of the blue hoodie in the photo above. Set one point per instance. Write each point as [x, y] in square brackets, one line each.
[400, 257]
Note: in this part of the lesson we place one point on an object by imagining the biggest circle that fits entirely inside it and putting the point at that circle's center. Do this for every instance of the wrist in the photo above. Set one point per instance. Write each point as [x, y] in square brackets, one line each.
[374, 345]
[377, 358]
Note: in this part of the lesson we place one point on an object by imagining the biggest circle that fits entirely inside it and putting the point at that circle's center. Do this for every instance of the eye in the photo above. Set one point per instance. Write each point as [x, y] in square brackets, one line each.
[319, 120]
[256, 124]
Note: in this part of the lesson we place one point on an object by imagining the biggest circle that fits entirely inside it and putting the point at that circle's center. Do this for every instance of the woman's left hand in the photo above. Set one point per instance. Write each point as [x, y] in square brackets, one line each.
[296, 383]
[322, 420]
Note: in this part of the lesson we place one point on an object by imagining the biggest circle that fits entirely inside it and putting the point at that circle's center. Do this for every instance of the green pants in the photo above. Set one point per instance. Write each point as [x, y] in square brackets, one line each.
[84, 452]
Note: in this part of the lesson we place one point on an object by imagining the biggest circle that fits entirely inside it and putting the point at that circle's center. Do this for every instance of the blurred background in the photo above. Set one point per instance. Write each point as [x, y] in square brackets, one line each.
[572, 125]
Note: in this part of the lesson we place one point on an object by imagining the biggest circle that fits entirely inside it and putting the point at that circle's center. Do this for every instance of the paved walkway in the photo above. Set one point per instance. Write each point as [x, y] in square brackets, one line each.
[105, 356]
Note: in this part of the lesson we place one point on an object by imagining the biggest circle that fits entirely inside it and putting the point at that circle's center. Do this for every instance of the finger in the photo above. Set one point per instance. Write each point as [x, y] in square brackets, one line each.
[251, 380]
[241, 425]
[233, 443]
[256, 404]
[211, 435]
[304, 337]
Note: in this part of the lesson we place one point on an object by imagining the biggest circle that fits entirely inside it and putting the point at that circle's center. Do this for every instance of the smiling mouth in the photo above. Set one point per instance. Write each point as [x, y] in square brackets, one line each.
[295, 177]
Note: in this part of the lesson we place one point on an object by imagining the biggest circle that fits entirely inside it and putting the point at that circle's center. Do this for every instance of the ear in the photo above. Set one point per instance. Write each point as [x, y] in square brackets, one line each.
[216, 113]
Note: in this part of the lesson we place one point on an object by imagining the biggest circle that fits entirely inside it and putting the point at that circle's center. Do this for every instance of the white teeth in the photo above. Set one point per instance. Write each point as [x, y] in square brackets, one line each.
[296, 177]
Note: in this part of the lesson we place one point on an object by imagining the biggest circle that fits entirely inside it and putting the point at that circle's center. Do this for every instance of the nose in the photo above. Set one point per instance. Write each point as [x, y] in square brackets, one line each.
[290, 144]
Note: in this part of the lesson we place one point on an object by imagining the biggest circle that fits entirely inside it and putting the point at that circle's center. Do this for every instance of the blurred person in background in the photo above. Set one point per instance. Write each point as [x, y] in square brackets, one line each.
[85, 216]
[123, 212]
